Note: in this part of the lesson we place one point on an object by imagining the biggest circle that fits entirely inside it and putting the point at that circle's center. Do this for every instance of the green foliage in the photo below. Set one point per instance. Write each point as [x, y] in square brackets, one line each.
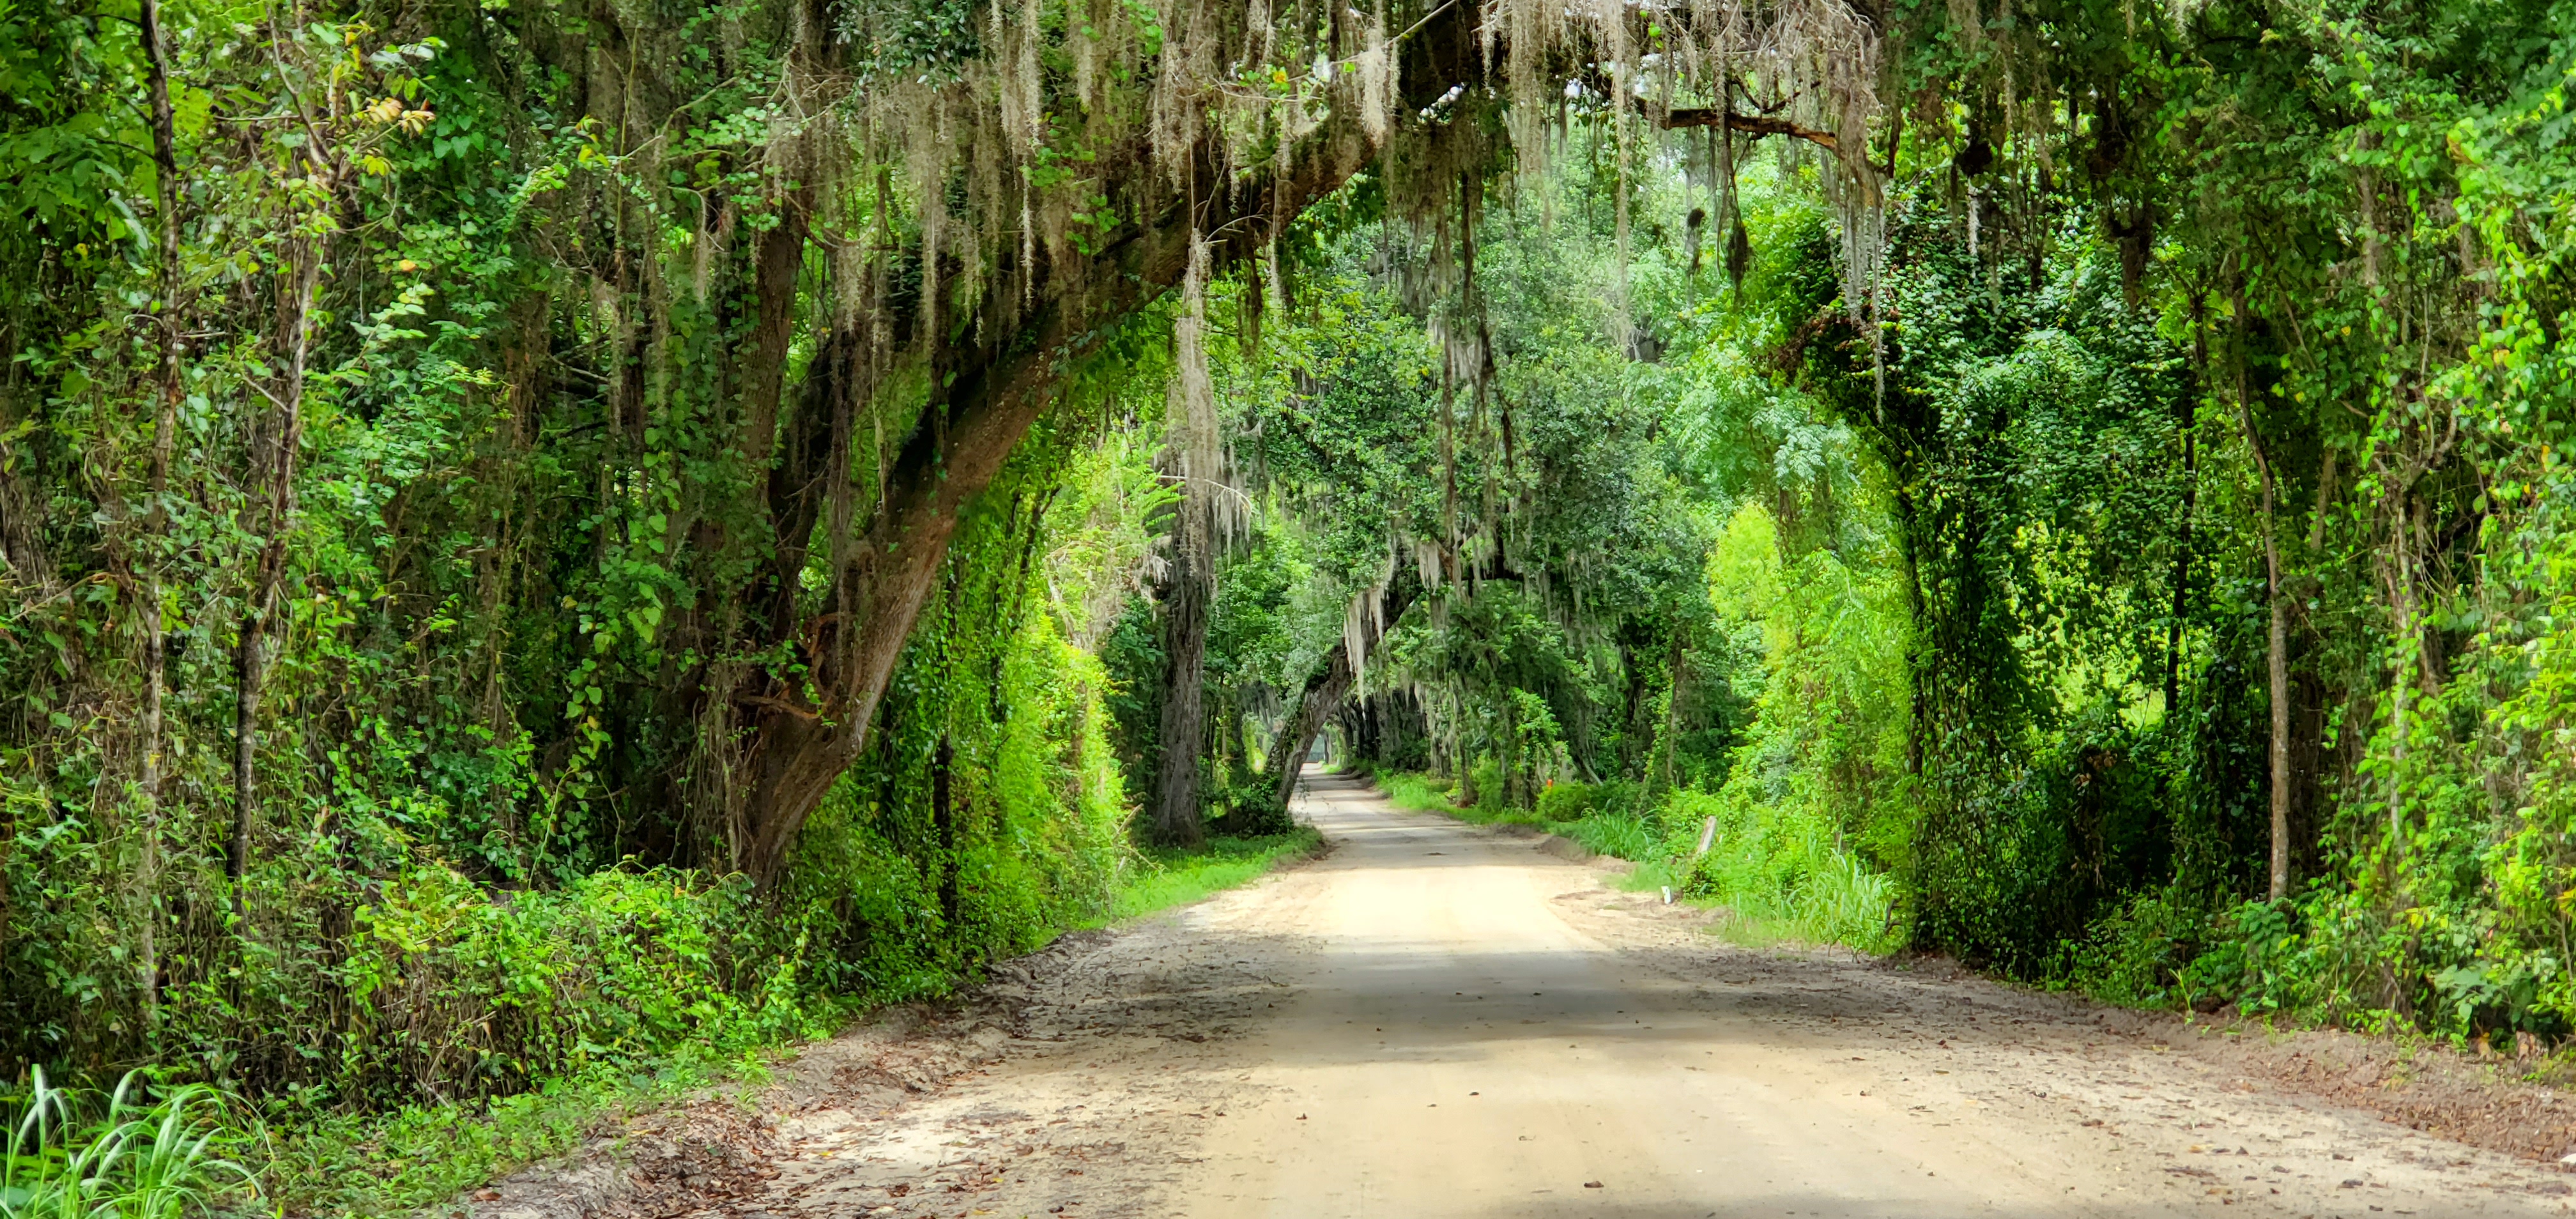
[1561, 802]
[424, 1154]
[1415, 792]
[1622, 835]
[1778, 865]
[63, 1156]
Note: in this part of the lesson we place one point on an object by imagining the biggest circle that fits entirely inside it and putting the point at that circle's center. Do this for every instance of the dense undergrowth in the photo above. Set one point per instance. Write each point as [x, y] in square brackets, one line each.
[421, 1155]
[190, 1148]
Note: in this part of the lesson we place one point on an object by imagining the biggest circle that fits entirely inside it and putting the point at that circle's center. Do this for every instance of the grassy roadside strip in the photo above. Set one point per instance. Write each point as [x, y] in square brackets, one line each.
[1767, 887]
[1424, 794]
[419, 1157]
[424, 1155]
[1179, 877]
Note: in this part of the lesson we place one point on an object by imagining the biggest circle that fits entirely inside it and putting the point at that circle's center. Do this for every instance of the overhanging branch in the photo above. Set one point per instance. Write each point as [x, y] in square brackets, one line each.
[1756, 124]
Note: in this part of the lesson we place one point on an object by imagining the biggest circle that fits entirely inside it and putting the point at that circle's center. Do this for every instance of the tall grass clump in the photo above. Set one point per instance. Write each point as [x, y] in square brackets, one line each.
[1623, 835]
[135, 1159]
[1777, 865]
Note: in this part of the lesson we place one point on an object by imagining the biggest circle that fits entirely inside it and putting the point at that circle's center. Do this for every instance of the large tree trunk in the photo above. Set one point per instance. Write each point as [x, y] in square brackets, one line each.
[1183, 731]
[1362, 728]
[1325, 689]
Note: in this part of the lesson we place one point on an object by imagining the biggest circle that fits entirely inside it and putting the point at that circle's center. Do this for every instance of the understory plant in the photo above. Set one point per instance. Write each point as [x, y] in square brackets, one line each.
[129, 1155]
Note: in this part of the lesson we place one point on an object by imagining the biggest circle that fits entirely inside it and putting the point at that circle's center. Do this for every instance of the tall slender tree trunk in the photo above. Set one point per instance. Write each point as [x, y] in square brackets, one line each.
[2277, 668]
[1673, 706]
[2277, 662]
[1461, 750]
[2187, 422]
[250, 655]
[2401, 602]
[1231, 741]
[165, 422]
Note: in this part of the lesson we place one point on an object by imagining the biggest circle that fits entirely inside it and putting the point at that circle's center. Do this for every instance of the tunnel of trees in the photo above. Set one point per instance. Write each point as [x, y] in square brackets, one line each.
[534, 535]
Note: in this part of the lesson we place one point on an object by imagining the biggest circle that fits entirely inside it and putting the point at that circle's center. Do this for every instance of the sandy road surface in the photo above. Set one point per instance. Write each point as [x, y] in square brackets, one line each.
[1434, 1020]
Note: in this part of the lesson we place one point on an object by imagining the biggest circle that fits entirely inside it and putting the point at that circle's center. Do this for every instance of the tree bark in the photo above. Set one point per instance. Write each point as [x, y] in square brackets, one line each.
[2277, 665]
[165, 423]
[250, 659]
[1325, 689]
[2401, 603]
[1756, 125]
[1183, 731]
[2186, 422]
[1673, 705]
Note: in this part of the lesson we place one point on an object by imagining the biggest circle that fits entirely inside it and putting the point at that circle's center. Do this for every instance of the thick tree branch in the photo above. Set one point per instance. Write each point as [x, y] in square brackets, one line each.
[1755, 124]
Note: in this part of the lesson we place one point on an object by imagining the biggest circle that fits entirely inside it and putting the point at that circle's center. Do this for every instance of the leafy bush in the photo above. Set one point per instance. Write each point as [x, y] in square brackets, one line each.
[2143, 953]
[1567, 801]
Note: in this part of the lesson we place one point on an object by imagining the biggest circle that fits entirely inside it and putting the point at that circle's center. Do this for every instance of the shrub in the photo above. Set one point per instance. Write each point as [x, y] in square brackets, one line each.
[1568, 801]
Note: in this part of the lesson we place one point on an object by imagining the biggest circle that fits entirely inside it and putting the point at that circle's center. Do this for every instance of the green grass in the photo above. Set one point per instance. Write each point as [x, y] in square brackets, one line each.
[1769, 890]
[423, 1155]
[1615, 834]
[1178, 877]
[1423, 794]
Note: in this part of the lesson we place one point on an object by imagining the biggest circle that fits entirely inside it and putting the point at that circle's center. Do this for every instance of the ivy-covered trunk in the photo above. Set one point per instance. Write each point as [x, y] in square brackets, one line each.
[1183, 733]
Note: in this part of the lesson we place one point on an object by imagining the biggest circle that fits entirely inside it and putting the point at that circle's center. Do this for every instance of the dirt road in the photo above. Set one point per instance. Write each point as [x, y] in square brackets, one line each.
[1435, 1020]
